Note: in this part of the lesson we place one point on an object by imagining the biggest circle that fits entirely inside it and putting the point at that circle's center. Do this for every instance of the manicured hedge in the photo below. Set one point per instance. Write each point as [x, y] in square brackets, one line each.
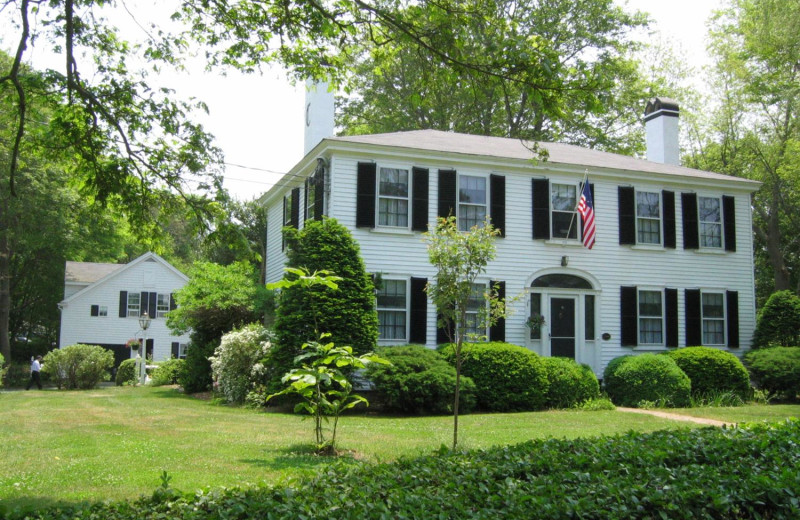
[570, 383]
[776, 370]
[419, 381]
[508, 378]
[654, 378]
[708, 473]
[713, 371]
[126, 373]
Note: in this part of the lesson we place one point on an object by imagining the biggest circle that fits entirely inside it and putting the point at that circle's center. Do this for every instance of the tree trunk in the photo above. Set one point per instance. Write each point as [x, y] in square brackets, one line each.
[5, 298]
[775, 253]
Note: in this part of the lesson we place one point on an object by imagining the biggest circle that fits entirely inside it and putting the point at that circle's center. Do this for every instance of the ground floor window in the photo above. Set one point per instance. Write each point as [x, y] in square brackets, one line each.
[392, 305]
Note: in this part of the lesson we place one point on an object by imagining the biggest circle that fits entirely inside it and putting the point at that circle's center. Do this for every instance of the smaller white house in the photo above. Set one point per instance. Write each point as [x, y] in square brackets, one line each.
[103, 302]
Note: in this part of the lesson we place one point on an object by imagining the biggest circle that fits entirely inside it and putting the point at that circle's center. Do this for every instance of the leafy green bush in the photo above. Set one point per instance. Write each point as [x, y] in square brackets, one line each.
[689, 474]
[347, 313]
[195, 374]
[652, 378]
[167, 372]
[233, 361]
[3, 370]
[78, 366]
[776, 370]
[419, 381]
[569, 383]
[126, 373]
[508, 378]
[778, 321]
[594, 405]
[713, 371]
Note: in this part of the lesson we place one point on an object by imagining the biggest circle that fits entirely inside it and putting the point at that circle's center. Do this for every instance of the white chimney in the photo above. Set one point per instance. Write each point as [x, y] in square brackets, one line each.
[661, 126]
[318, 113]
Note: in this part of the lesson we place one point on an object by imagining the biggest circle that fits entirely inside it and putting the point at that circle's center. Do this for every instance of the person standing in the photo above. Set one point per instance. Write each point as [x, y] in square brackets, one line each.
[36, 367]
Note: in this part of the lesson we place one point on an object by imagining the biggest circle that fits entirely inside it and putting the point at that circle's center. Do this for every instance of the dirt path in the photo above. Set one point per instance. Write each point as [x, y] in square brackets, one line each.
[677, 417]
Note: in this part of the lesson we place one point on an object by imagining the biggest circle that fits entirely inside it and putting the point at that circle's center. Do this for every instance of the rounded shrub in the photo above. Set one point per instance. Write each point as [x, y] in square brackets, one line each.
[508, 378]
[166, 372]
[126, 373]
[195, 374]
[569, 383]
[778, 321]
[78, 366]
[419, 381]
[631, 380]
[233, 361]
[776, 370]
[713, 371]
[3, 370]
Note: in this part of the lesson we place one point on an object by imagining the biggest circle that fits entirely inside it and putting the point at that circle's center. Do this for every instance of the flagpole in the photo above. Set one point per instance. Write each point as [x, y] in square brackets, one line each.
[577, 202]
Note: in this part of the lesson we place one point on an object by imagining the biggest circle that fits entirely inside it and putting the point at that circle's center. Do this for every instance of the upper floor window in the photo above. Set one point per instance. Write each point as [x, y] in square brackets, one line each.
[392, 310]
[288, 207]
[393, 190]
[471, 201]
[648, 217]
[134, 304]
[713, 316]
[651, 318]
[311, 198]
[162, 305]
[563, 204]
[710, 220]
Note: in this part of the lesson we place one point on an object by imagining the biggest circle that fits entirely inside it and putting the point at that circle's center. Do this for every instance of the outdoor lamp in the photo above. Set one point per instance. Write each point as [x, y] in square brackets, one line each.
[144, 323]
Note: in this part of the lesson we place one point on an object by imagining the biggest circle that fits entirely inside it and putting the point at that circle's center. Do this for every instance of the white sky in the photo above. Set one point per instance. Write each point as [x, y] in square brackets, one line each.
[258, 119]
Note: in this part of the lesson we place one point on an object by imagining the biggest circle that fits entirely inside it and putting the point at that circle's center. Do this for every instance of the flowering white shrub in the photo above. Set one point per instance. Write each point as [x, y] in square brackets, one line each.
[234, 364]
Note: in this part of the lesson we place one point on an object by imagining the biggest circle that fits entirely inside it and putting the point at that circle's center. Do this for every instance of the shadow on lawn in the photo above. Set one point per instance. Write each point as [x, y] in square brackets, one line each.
[299, 456]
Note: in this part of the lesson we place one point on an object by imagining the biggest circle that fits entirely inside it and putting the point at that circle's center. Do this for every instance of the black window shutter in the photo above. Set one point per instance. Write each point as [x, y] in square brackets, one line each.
[671, 305]
[94, 311]
[733, 318]
[296, 208]
[729, 222]
[419, 312]
[152, 305]
[691, 235]
[176, 349]
[123, 304]
[668, 211]
[172, 304]
[497, 332]
[447, 193]
[143, 304]
[365, 195]
[149, 348]
[419, 204]
[627, 215]
[629, 317]
[319, 194]
[541, 209]
[497, 189]
[694, 320]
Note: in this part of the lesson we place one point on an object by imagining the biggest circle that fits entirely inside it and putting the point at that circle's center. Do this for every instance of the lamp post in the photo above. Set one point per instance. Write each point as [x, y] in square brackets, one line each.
[144, 323]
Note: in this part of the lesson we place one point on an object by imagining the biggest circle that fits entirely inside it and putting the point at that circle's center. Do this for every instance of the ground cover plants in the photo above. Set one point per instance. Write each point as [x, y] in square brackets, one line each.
[688, 474]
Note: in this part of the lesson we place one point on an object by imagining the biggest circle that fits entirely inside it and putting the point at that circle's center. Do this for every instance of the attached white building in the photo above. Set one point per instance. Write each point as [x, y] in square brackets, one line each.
[103, 302]
[672, 265]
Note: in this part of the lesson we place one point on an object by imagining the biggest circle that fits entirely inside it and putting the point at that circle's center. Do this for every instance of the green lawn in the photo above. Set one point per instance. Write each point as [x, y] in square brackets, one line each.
[743, 414]
[113, 443]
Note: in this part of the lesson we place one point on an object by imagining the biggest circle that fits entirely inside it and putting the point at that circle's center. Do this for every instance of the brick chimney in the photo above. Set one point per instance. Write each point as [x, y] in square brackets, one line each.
[661, 125]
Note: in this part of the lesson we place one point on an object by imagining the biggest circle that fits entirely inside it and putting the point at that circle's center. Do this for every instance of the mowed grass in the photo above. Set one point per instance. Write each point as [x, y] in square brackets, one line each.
[113, 443]
[743, 414]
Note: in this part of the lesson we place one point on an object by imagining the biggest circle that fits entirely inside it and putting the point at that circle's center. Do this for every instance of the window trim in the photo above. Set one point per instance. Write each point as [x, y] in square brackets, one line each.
[406, 310]
[640, 316]
[720, 223]
[138, 305]
[162, 313]
[660, 218]
[102, 311]
[723, 319]
[487, 197]
[577, 221]
[407, 198]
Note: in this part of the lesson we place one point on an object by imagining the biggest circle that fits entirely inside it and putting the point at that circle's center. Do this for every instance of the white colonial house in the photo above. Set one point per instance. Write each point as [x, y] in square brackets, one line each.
[672, 265]
[103, 302]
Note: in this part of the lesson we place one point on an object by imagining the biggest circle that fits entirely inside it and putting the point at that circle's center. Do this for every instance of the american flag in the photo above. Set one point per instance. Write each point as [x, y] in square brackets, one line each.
[586, 209]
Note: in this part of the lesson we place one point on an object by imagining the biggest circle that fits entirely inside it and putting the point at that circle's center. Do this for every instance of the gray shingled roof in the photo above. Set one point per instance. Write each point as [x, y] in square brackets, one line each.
[506, 148]
[88, 272]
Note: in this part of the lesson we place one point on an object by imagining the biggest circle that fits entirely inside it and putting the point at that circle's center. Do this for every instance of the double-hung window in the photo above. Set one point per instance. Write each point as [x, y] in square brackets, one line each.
[471, 201]
[476, 309]
[392, 303]
[709, 212]
[134, 304]
[713, 316]
[648, 217]
[563, 204]
[311, 197]
[651, 318]
[287, 209]
[162, 305]
[393, 189]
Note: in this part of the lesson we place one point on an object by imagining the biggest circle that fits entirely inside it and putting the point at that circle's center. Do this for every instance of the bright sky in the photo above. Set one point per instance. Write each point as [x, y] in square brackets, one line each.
[258, 119]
